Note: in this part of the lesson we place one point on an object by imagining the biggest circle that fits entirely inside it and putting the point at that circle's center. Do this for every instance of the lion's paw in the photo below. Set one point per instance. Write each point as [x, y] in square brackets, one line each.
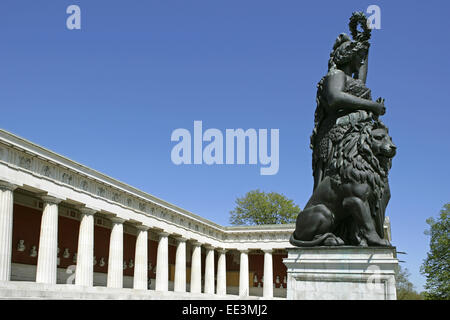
[333, 241]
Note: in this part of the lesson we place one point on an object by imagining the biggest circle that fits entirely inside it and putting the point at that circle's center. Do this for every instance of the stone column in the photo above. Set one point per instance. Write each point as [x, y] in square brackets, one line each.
[222, 273]
[196, 268]
[48, 242]
[6, 228]
[180, 266]
[162, 263]
[84, 275]
[243, 275]
[140, 280]
[115, 260]
[268, 274]
[209, 270]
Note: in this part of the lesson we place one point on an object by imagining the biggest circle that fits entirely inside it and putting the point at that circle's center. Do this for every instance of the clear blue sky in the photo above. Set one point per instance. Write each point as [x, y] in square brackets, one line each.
[110, 95]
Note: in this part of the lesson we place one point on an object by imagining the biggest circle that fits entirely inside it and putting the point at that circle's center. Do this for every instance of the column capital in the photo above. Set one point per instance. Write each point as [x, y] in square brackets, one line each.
[244, 250]
[196, 243]
[267, 250]
[222, 250]
[142, 227]
[163, 234]
[117, 220]
[209, 246]
[50, 199]
[5, 185]
[181, 239]
[87, 211]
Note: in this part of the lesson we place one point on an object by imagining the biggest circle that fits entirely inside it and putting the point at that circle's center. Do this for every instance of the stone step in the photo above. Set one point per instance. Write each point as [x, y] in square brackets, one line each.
[33, 290]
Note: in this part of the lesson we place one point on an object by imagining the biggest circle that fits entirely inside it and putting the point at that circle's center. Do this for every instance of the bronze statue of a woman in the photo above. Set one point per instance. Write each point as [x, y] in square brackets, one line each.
[352, 152]
[342, 96]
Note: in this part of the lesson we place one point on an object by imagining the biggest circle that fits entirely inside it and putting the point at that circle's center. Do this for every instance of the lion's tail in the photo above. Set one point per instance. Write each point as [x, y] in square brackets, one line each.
[316, 242]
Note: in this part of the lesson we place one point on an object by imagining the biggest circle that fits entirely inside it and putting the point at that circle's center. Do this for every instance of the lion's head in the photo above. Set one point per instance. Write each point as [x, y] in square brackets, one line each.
[382, 144]
[364, 155]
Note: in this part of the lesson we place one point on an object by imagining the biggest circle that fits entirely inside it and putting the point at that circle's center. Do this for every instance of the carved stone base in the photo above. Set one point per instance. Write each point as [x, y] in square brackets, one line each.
[341, 273]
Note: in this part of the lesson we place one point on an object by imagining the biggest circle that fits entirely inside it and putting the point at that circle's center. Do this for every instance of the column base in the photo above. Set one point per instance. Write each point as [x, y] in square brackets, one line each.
[341, 273]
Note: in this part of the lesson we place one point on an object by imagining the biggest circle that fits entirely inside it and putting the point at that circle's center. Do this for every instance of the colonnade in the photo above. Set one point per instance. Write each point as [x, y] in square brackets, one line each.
[46, 271]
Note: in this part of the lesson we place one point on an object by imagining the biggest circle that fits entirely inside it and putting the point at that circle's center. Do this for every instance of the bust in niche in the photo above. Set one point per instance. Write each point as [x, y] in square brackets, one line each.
[124, 265]
[102, 262]
[33, 252]
[131, 263]
[277, 281]
[21, 246]
[74, 257]
[94, 262]
[66, 253]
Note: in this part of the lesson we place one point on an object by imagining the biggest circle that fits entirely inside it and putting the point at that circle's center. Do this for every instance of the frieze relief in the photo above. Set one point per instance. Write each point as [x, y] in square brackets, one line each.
[3, 154]
[129, 202]
[116, 197]
[81, 182]
[84, 185]
[25, 162]
[46, 171]
[101, 192]
[67, 178]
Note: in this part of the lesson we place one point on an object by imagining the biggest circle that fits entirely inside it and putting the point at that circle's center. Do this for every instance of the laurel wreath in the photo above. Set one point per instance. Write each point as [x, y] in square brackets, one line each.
[361, 19]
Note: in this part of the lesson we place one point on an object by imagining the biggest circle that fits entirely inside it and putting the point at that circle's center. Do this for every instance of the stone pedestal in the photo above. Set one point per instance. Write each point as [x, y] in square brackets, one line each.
[341, 273]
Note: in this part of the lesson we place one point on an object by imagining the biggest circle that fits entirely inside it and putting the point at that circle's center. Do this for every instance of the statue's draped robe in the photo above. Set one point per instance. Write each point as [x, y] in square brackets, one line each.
[329, 130]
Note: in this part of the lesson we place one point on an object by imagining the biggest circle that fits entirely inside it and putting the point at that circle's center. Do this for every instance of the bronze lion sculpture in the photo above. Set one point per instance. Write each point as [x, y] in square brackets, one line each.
[348, 205]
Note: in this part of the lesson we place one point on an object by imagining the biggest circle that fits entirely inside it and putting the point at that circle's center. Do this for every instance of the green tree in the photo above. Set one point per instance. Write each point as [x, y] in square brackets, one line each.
[436, 267]
[405, 289]
[257, 208]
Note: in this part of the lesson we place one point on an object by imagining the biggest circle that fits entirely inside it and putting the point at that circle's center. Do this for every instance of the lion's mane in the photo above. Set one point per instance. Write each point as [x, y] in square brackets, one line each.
[353, 161]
